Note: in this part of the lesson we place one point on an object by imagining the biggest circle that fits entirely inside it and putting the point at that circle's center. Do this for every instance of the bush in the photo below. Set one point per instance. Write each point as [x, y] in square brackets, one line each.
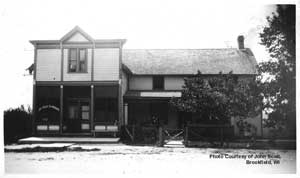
[17, 124]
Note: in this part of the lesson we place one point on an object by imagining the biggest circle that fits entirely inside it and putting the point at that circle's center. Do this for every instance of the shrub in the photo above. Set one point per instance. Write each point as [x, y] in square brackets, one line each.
[17, 124]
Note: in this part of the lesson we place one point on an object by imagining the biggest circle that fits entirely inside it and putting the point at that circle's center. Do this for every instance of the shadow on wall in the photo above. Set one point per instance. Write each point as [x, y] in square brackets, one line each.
[17, 124]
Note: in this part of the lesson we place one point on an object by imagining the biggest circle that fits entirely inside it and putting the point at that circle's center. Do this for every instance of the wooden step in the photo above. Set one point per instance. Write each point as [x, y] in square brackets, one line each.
[174, 144]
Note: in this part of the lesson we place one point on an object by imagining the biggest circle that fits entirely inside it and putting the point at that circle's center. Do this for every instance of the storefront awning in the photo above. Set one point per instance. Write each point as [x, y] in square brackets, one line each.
[152, 94]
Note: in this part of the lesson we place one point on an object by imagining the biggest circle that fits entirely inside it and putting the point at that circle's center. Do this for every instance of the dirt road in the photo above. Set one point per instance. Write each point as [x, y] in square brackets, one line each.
[123, 159]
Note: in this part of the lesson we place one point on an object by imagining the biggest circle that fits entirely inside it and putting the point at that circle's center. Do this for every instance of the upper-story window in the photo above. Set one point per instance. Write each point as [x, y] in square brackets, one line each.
[77, 60]
[158, 83]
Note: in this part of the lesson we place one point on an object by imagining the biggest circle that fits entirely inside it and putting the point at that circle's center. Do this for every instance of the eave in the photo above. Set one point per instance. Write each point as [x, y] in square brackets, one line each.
[76, 29]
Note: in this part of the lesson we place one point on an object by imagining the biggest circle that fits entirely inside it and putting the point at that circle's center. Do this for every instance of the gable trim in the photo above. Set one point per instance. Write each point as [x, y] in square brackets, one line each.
[75, 30]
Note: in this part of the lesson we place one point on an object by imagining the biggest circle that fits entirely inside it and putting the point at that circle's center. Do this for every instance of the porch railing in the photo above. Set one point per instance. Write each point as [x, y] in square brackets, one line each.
[47, 127]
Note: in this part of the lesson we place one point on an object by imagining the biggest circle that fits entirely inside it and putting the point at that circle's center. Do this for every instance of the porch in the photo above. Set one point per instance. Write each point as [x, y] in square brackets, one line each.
[147, 111]
[81, 110]
[149, 119]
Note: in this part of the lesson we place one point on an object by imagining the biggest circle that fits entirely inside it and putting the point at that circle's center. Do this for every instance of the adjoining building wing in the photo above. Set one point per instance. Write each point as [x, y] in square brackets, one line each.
[189, 61]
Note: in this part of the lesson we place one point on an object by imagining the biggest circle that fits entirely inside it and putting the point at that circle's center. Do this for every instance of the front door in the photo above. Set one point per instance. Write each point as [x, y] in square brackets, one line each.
[159, 112]
[78, 117]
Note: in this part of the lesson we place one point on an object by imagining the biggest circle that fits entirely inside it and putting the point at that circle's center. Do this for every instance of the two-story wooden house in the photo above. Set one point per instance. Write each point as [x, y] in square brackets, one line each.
[84, 85]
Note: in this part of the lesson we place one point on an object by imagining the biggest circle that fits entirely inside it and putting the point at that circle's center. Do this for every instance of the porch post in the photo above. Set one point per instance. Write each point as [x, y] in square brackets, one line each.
[126, 113]
[34, 109]
[120, 100]
[34, 93]
[92, 108]
[61, 114]
[120, 96]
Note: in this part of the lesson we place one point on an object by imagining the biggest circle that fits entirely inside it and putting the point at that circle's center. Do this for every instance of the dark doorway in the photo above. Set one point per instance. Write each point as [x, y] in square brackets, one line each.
[159, 113]
[77, 109]
[78, 116]
[184, 118]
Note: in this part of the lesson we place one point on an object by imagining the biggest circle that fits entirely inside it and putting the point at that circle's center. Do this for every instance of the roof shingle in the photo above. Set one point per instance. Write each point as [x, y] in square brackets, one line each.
[189, 61]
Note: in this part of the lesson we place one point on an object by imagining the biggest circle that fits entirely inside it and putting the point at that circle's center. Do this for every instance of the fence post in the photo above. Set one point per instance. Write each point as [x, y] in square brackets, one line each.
[186, 136]
[133, 133]
[160, 136]
[222, 135]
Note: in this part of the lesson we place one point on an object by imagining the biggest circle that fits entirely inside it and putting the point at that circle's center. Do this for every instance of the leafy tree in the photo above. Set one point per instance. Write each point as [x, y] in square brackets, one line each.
[218, 98]
[17, 124]
[278, 75]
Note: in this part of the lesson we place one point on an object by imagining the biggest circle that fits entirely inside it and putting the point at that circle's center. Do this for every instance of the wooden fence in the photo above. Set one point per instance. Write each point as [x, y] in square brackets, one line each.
[203, 132]
[141, 134]
[192, 132]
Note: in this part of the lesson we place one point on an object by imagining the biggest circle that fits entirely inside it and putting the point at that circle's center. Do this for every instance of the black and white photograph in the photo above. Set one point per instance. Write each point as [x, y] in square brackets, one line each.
[148, 88]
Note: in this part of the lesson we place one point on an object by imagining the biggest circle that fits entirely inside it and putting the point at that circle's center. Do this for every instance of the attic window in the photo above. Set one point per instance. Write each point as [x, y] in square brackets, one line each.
[77, 60]
[158, 83]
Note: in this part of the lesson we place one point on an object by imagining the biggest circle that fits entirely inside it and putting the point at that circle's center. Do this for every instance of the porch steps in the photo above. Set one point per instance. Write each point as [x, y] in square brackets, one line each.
[174, 144]
[34, 140]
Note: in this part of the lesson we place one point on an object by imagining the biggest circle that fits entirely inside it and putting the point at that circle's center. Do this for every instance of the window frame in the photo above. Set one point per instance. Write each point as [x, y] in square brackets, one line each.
[78, 61]
[154, 80]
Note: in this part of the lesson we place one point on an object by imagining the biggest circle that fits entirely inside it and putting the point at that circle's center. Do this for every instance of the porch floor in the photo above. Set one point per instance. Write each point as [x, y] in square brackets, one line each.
[31, 140]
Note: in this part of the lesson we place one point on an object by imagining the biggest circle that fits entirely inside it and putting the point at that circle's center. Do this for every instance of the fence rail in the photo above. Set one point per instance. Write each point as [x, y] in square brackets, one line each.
[141, 134]
[202, 132]
[173, 134]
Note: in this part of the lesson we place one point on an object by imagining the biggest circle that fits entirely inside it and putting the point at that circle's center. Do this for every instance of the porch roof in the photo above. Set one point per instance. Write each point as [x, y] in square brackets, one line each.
[152, 94]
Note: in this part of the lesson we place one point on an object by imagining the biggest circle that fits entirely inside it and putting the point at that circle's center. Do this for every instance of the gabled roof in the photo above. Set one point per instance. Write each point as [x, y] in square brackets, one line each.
[75, 30]
[189, 61]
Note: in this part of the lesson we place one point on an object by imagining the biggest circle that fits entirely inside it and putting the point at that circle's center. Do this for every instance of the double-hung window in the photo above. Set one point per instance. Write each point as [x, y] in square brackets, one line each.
[158, 83]
[77, 60]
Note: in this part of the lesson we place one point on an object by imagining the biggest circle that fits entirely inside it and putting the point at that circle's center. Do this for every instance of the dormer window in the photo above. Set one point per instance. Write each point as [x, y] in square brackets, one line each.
[77, 60]
[158, 83]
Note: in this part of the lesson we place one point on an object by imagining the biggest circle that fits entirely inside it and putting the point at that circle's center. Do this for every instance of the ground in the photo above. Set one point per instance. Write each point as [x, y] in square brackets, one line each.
[149, 160]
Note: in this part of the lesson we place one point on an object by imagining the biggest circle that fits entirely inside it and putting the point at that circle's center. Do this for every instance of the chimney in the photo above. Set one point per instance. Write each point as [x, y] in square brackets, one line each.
[241, 42]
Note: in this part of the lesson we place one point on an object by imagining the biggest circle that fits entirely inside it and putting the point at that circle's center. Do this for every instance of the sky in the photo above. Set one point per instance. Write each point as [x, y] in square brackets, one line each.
[145, 24]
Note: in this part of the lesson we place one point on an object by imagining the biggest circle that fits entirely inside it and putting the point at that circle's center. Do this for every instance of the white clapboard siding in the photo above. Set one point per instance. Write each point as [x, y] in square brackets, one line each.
[48, 65]
[140, 83]
[77, 76]
[124, 83]
[145, 83]
[106, 64]
[173, 83]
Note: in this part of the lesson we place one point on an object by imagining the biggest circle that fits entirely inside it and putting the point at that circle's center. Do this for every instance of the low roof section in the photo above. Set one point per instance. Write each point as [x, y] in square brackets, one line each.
[189, 61]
